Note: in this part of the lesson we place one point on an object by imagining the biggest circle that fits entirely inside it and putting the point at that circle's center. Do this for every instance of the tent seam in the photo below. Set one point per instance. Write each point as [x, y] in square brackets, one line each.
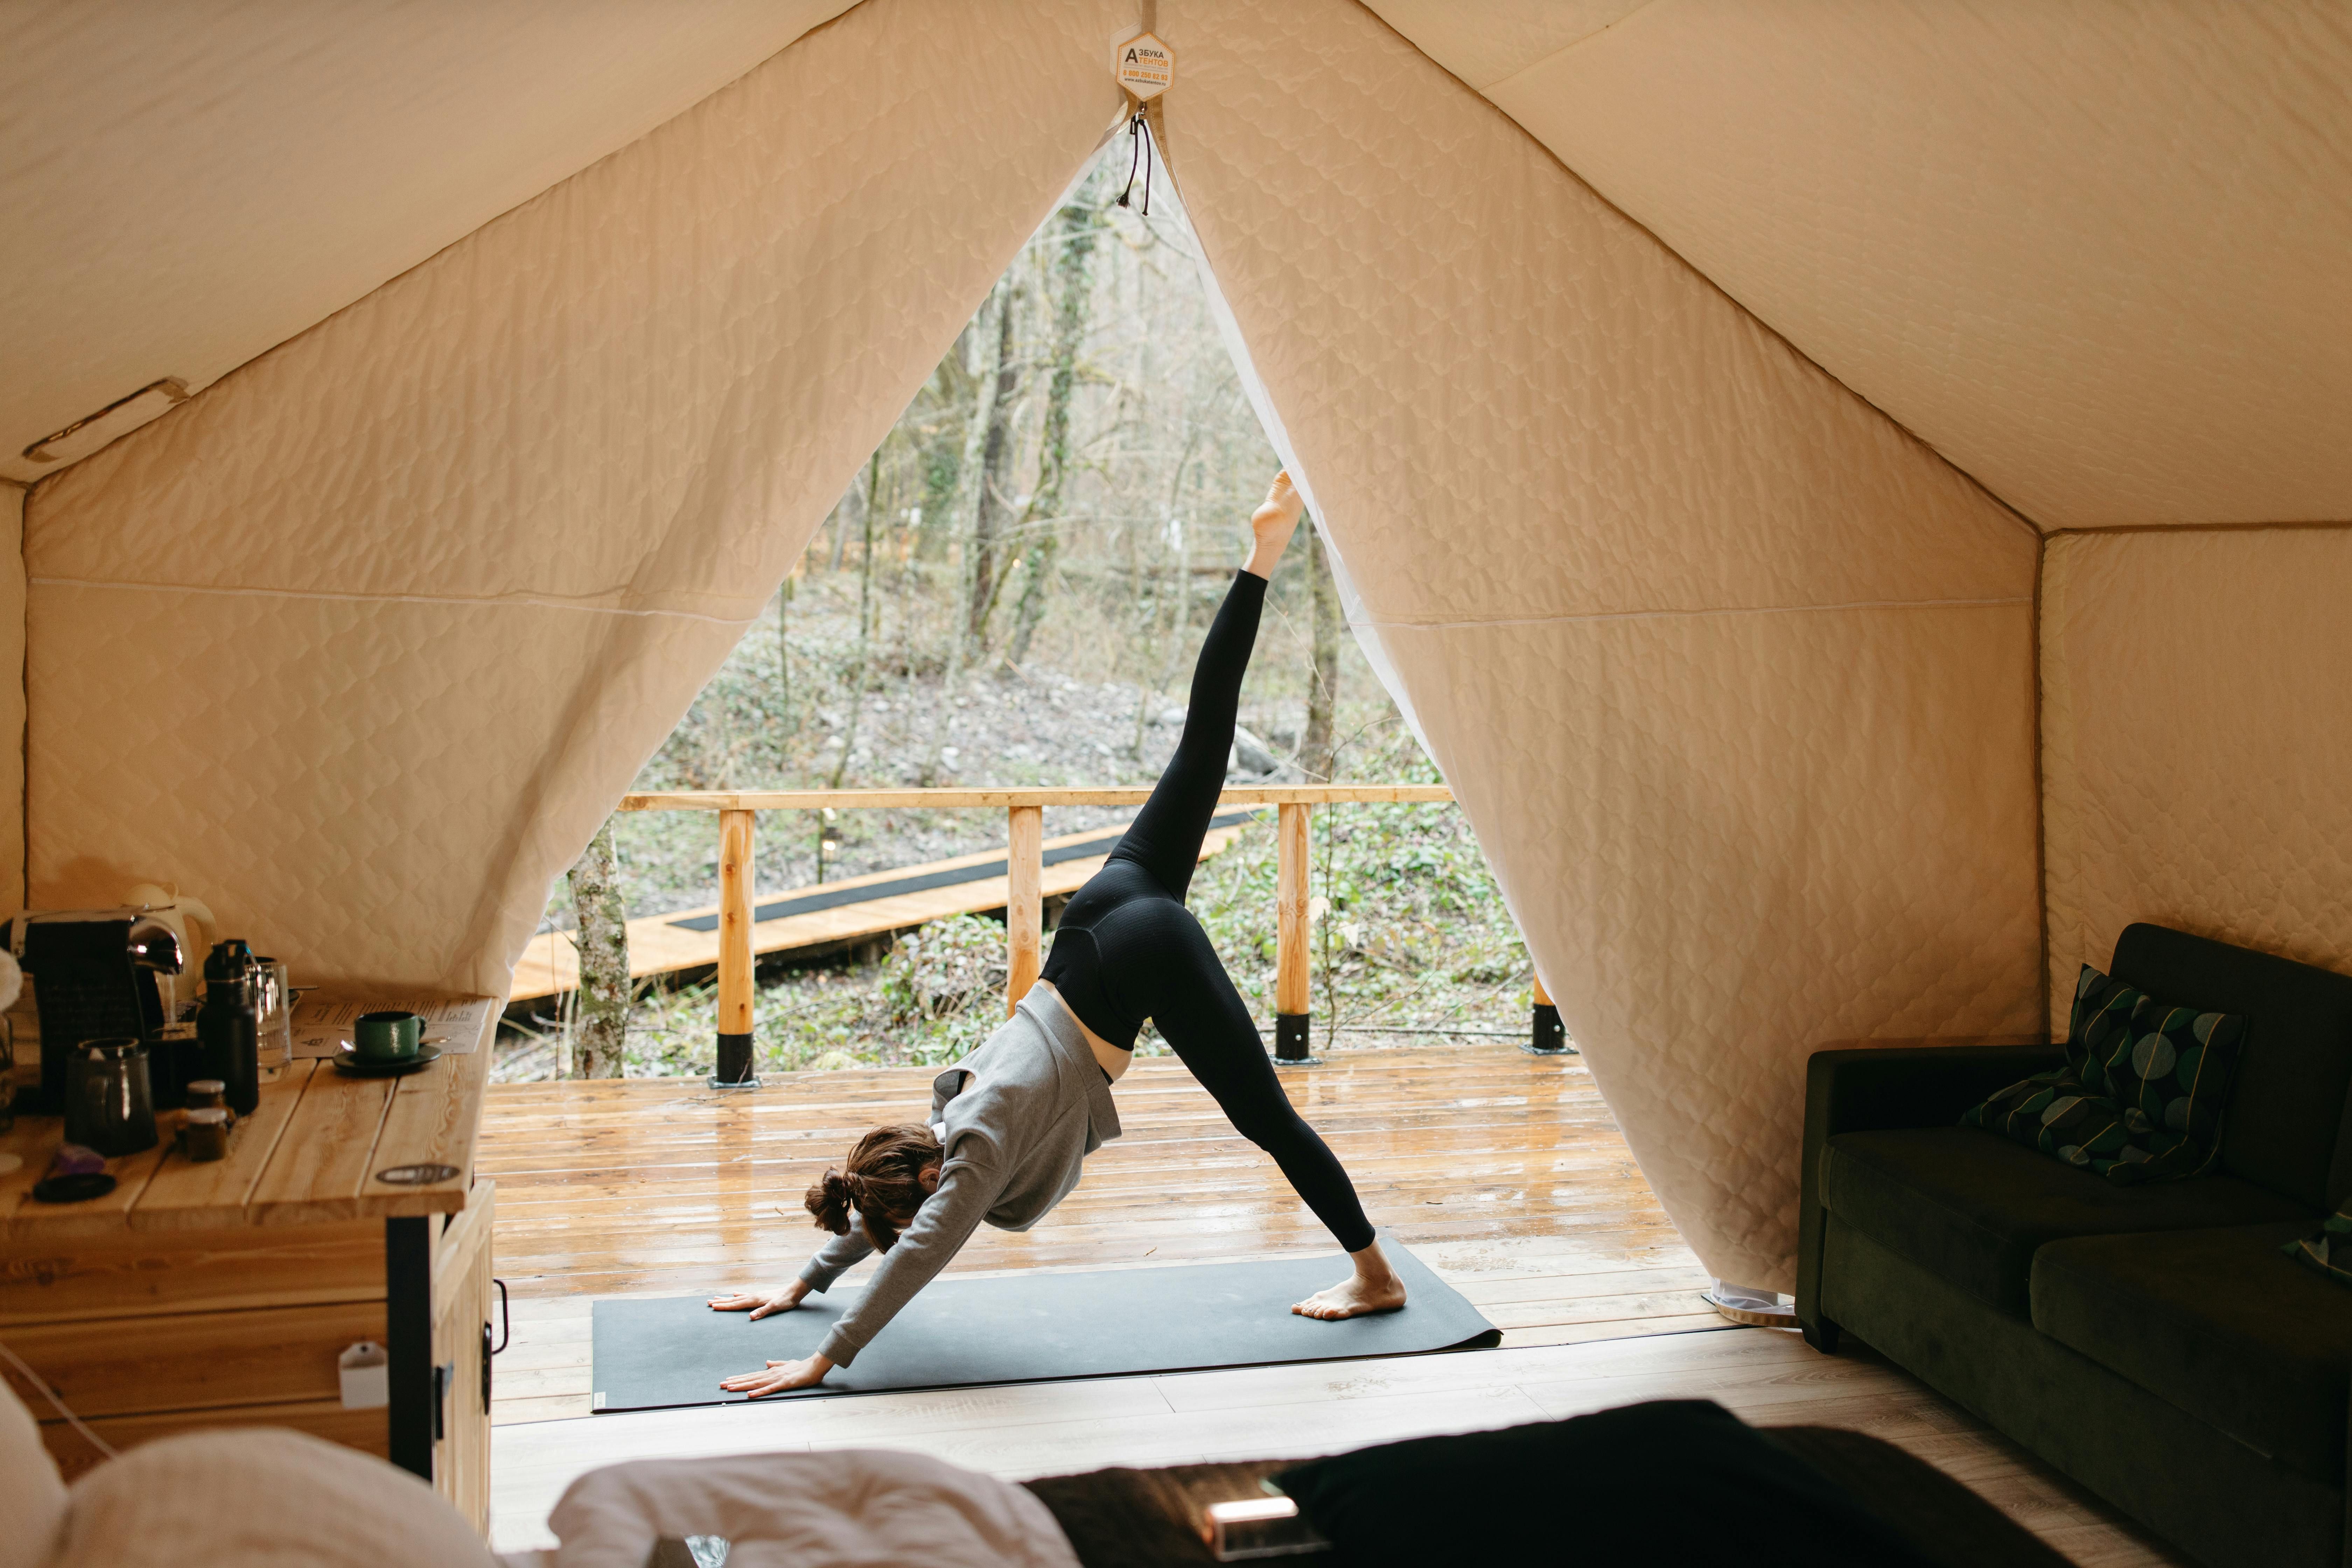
[2094, 531]
[1568, 47]
[458, 601]
[2041, 777]
[1730, 610]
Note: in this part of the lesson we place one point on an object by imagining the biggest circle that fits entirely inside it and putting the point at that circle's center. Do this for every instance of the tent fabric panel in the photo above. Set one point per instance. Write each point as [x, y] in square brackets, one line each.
[1733, 841]
[1680, 455]
[366, 787]
[1732, 677]
[2197, 731]
[508, 513]
[2093, 253]
[190, 186]
[665, 338]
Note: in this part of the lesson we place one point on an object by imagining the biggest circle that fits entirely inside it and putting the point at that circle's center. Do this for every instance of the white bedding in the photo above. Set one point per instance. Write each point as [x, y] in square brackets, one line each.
[845, 1509]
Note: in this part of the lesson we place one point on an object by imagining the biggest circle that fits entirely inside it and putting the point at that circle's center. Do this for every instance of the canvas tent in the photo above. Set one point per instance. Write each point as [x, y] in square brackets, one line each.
[1855, 496]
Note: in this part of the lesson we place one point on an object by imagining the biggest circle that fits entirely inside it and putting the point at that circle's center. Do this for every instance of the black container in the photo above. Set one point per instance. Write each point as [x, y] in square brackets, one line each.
[177, 1057]
[108, 1104]
[229, 1027]
[85, 986]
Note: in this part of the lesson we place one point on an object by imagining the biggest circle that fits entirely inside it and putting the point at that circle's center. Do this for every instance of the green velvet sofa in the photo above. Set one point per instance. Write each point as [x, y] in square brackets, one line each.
[2151, 1342]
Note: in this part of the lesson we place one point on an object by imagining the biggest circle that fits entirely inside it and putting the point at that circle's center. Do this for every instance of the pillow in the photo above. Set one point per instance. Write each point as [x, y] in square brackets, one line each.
[32, 1495]
[2141, 1093]
[262, 1498]
[1671, 1481]
[2328, 1249]
[845, 1507]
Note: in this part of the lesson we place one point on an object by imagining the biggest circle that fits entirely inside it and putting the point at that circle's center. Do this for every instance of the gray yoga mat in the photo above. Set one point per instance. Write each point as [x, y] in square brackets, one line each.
[1024, 1328]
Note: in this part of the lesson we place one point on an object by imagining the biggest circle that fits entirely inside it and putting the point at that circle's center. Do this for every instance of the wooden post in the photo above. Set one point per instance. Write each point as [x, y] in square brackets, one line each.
[1293, 977]
[1547, 1037]
[1024, 908]
[735, 1068]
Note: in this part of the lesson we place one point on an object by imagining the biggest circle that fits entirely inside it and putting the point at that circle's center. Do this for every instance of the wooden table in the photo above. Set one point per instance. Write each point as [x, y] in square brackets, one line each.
[225, 1293]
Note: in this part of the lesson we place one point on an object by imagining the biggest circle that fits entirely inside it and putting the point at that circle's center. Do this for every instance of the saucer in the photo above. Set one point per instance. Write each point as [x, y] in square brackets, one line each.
[80, 1187]
[352, 1065]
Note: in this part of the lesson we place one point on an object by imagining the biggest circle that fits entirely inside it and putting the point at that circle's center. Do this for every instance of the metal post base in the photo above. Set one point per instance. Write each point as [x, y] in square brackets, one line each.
[735, 1069]
[1547, 1037]
[1293, 1043]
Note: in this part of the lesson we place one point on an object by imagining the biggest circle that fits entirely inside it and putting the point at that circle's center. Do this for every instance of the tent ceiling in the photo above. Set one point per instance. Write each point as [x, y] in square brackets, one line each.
[2096, 254]
[2093, 253]
[186, 186]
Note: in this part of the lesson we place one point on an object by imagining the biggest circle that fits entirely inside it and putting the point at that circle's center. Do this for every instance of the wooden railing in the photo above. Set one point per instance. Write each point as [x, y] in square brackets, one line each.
[1023, 811]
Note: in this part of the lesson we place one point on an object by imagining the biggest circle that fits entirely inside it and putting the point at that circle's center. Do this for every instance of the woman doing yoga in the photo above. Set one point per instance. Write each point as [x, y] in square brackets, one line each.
[1010, 1122]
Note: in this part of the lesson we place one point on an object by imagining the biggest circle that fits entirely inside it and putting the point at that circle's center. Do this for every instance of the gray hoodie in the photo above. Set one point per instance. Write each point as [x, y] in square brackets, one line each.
[1021, 1114]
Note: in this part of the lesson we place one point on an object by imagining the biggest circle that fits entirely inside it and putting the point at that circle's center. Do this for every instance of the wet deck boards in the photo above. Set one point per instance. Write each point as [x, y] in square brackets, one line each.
[1505, 1171]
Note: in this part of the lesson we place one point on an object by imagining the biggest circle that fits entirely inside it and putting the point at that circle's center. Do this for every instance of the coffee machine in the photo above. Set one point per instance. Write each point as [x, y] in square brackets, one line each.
[95, 974]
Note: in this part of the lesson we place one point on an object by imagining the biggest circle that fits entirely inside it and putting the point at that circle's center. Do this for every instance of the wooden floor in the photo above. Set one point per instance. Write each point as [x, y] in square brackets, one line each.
[1766, 1377]
[1503, 1172]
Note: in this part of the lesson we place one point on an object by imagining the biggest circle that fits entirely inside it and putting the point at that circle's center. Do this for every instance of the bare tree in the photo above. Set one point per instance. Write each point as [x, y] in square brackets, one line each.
[865, 629]
[992, 506]
[602, 940]
[1315, 755]
[1074, 235]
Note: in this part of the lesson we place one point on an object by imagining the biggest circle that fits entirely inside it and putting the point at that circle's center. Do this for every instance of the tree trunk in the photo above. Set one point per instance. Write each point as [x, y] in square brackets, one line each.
[994, 508]
[784, 652]
[1073, 285]
[972, 493]
[603, 939]
[865, 635]
[851, 504]
[1323, 680]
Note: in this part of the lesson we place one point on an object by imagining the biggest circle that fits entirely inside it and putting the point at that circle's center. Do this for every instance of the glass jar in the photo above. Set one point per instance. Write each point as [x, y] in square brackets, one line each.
[274, 1001]
[203, 1137]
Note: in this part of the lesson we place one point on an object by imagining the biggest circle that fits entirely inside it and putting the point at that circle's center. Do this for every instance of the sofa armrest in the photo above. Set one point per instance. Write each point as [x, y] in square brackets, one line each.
[1890, 1086]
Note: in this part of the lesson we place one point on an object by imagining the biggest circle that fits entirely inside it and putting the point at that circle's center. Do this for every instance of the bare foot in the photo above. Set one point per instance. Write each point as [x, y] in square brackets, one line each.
[1373, 1288]
[1271, 526]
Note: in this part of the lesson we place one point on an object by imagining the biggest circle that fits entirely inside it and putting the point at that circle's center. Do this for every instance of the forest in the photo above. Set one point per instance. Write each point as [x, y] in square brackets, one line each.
[1012, 592]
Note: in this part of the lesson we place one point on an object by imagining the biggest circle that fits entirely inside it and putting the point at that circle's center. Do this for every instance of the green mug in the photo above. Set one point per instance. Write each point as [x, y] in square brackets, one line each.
[387, 1037]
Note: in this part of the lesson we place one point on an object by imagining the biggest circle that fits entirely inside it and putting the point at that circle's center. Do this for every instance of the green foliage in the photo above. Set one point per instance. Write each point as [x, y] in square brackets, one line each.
[1411, 928]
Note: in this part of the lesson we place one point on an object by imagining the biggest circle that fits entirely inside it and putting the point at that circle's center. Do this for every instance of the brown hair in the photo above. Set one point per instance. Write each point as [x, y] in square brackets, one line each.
[891, 1171]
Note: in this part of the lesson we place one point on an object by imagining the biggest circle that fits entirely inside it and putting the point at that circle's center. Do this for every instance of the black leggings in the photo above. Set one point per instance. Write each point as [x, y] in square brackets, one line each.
[1127, 948]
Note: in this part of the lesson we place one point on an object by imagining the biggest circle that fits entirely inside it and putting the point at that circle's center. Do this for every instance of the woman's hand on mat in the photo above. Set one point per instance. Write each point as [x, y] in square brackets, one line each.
[1271, 526]
[780, 1377]
[759, 1306]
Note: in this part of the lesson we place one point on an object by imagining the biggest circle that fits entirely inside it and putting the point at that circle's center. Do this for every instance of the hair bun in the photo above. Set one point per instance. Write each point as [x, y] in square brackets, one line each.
[829, 1201]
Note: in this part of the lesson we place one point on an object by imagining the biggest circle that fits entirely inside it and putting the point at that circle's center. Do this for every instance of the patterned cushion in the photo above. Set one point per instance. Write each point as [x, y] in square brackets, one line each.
[2142, 1091]
[2328, 1249]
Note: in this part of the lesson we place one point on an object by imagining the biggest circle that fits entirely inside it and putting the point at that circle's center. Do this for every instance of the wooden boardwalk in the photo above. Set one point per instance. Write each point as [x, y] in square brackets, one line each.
[891, 900]
[1503, 1170]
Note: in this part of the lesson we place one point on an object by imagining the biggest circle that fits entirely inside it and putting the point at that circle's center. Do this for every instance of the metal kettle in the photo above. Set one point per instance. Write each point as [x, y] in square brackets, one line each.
[109, 1105]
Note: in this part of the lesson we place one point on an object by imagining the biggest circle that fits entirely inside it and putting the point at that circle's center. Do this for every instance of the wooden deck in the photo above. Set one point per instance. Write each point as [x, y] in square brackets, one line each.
[667, 944]
[1503, 1170]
